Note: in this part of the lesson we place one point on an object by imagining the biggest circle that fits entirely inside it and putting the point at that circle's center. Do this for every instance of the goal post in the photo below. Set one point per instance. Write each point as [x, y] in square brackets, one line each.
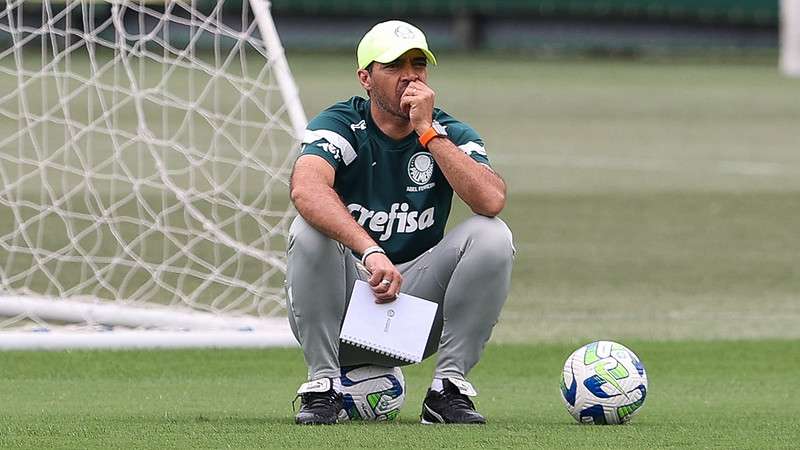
[145, 150]
[790, 37]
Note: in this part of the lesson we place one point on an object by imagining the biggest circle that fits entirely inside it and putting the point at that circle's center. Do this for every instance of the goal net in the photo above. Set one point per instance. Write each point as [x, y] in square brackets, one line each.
[145, 148]
[790, 37]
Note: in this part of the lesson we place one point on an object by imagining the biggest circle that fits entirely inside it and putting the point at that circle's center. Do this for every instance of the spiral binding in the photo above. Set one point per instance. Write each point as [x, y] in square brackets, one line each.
[407, 357]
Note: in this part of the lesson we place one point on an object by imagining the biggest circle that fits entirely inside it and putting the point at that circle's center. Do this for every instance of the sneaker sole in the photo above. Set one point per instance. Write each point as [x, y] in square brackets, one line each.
[441, 420]
[426, 410]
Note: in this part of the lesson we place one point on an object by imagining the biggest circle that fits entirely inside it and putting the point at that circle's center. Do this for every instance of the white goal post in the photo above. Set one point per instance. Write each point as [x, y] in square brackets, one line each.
[790, 37]
[145, 149]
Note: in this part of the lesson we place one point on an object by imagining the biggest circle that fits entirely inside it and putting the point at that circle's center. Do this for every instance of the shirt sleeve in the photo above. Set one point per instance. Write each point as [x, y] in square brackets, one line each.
[466, 139]
[329, 137]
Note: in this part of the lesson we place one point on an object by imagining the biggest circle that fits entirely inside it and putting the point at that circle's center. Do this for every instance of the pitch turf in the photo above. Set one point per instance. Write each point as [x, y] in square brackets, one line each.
[702, 395]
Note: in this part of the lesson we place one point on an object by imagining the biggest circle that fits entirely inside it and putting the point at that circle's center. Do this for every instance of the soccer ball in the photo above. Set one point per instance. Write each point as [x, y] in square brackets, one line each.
[372, 393]
[603, 383]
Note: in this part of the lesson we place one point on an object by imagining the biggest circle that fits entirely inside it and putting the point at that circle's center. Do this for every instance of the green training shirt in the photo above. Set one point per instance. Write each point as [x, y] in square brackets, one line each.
[393, 188]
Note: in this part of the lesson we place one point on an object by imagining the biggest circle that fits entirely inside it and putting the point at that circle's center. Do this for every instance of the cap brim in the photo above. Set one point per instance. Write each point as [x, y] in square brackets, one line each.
[396, 52]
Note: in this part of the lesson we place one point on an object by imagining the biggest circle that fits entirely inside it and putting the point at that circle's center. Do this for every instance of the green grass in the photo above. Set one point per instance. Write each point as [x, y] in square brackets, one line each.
[702, 395]
[665, 265]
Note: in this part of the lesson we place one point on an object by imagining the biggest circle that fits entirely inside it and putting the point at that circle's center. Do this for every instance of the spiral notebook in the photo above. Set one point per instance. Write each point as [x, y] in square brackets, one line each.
[399, 329]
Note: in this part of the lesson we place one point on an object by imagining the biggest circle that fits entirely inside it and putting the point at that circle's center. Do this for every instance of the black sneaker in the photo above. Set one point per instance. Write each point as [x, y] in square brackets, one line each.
[319, 403]
[451, 405]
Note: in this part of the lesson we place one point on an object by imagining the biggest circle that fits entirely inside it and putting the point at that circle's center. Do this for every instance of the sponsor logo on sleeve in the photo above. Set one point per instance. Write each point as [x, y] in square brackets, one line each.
[359, 126]
[473, 147]
[332, 149]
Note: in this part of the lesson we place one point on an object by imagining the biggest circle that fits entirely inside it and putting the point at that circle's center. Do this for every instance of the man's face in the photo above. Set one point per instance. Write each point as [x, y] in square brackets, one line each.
[387, 82]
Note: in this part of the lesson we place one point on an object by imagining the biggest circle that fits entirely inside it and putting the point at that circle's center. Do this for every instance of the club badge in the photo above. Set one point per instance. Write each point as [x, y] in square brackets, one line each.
[404, 32]
[420, 168]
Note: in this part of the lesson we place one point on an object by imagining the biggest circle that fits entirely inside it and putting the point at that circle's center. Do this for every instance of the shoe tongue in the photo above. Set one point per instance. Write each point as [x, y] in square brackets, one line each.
[320, 385]
[463, 386]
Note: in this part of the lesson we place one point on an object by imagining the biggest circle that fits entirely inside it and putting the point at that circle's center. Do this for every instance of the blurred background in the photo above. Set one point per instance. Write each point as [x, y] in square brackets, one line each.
[628, 28]
[625, 28]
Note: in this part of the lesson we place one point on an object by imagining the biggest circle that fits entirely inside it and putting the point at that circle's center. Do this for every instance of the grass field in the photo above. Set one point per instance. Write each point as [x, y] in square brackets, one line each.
[703, 395]
[654, 203]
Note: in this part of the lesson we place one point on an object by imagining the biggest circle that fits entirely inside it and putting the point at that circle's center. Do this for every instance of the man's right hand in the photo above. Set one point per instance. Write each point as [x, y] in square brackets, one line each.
[382, 270]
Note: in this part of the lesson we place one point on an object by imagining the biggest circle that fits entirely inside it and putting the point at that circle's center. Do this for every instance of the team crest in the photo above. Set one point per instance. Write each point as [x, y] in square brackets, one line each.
[420, 168]
[404, 32]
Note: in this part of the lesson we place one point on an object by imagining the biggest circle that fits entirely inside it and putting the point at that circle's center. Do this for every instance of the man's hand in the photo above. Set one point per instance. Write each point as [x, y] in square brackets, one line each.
[418, 100]
[384, 279]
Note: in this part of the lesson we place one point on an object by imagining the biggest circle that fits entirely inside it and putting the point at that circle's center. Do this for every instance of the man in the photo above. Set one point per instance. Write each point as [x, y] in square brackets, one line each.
[374, 184]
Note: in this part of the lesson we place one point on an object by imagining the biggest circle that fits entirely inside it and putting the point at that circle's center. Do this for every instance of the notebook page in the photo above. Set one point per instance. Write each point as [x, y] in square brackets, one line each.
[399, 329]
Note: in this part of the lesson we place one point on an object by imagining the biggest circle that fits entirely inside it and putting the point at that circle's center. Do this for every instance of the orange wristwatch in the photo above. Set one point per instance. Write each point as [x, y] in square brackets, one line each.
[436, 130]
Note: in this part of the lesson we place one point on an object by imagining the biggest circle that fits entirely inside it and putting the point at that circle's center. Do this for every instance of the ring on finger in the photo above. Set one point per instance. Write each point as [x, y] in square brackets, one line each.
[386, 282]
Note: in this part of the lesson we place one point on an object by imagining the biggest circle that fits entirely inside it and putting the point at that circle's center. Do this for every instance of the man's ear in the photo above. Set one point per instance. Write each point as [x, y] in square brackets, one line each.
[365, 79]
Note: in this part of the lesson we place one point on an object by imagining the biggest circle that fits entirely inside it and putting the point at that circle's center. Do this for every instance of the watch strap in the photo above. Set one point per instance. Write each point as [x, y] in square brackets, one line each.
[428, 136]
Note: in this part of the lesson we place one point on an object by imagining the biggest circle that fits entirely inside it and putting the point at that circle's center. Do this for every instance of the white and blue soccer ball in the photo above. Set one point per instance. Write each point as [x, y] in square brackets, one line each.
[603, 383]
[372, 393]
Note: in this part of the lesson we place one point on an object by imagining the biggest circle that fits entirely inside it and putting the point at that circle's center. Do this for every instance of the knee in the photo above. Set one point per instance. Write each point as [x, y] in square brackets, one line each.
[490, 239]
[306, 242]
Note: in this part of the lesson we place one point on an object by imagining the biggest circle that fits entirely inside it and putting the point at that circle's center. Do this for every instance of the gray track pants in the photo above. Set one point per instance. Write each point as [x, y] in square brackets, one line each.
[468, 274]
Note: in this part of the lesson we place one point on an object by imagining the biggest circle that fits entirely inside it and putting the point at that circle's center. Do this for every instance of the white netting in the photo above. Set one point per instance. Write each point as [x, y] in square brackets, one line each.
[144, 154]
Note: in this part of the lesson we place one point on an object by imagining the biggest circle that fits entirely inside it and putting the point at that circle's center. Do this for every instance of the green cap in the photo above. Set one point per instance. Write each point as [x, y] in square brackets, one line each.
[386, 41]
